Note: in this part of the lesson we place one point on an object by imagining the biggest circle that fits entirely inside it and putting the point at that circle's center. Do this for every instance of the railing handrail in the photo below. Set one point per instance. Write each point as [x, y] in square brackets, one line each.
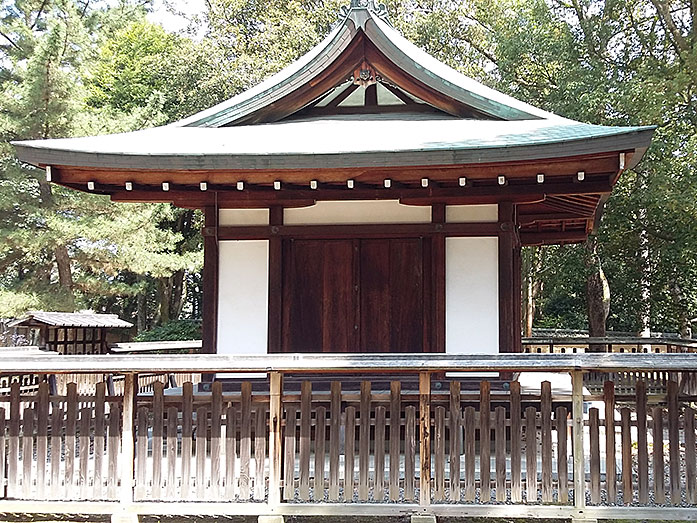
[610, 340]
[348, 363]
[154, 346]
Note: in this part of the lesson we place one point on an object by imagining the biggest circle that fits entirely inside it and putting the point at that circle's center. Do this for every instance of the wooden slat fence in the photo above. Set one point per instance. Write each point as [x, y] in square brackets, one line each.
[350, 440]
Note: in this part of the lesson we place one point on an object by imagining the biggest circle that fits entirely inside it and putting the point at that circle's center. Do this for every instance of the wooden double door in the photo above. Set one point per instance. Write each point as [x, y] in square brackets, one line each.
[356, 295]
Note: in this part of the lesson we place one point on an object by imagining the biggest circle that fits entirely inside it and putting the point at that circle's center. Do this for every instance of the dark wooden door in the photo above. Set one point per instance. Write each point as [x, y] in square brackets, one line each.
[370, 295]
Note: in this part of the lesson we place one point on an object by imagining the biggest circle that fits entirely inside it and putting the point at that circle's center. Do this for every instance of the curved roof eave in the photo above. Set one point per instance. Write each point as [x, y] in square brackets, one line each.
[57, 153]
[274, 87]
[447, 80]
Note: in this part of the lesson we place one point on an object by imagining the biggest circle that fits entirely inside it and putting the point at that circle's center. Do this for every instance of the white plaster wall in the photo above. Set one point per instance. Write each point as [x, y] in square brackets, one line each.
[471, 213]
[357, 211]
[471, 296]
[243, 217]
[243, 297]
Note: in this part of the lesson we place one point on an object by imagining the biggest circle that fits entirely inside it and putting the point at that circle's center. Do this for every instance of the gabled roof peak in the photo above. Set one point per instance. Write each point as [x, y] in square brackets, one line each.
[359, 18]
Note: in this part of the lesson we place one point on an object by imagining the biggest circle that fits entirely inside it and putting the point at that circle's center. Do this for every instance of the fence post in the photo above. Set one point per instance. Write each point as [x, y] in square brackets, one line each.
[425, 438]
[127, 452]
[275, 416]
[579, 458]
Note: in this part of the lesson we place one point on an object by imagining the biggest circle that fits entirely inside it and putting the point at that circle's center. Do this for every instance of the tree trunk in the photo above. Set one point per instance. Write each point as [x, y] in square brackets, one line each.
[597, 295]
[178, 295]
[533, 287]
[60, 252]
[164, 294]
[142, 312]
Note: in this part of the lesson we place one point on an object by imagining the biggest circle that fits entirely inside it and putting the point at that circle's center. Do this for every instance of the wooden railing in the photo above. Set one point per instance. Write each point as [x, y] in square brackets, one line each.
[361, 435]
[656, 381]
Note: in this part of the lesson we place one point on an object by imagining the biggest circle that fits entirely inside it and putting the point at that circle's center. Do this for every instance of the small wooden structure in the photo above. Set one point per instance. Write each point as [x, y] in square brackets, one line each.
[367, 198]
[71, 332]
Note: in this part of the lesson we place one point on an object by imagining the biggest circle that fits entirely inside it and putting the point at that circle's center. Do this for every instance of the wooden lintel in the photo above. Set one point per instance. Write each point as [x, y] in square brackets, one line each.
[262, 232]
[254, 196]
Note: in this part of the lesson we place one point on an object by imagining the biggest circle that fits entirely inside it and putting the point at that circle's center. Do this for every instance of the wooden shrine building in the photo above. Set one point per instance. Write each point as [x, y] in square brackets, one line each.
[367, 198]
[70, 332]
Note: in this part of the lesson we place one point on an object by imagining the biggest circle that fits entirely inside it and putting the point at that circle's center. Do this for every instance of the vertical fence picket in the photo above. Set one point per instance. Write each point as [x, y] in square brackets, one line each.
[260, 454]
[470, 485]
[349, 453]
[455, 441]
[594, 454]
[409, 452]
[379, 490]
[642, 446]
[627, 483]
[395, 415]
[289, 461]
[2, 452]
[245, 439]
[546, 436]
[113, 450]
[13, 443]
[690, 464]
[500, 445]
[157, 429]
[610, 465]
[230, 452]
[216, 429]
[485, 441]
[84, 449]
[141, 453]
[56, 446]
[439, 452]
[27, 451]
[42, 408]
[516, 491]
[674, 442]
[562, 456]
[70, 422]
[305, 431]
[334, 435]
[99, 438]
[201, 432]
[187, 426]
[530, 455]
[172, 430]
[659, 485]
[320, 452]
[364, 442]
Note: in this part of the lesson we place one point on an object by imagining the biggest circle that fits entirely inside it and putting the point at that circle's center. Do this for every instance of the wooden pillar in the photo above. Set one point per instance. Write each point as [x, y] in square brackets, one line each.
[438, 260]
[275, 447]
[127, 439]
[509, 280]
[425, 438]
[275, 321]
[209, 328]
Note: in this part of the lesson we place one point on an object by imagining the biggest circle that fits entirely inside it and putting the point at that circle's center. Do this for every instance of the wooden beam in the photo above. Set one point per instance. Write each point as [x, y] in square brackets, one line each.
[552, 237]
[263, 232]
[262, 196]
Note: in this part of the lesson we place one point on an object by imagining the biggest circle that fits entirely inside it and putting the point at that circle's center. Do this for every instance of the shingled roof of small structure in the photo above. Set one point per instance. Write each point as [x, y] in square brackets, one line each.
[71, 319]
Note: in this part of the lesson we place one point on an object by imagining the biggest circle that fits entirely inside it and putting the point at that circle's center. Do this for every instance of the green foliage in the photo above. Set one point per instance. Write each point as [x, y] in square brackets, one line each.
[178, 330]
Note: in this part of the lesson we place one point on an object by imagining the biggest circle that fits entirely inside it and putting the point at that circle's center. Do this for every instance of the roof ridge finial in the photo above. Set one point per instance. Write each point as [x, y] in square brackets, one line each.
[378, 9]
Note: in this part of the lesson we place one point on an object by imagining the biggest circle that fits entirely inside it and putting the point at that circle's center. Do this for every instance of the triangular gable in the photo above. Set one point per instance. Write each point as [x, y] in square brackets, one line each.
[364, 65]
